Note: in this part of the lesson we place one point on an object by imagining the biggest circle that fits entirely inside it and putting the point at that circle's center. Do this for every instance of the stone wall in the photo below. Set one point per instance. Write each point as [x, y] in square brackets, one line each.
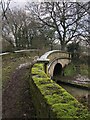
[54, 57]
[51, 100]
[52, 65]
[58, 54]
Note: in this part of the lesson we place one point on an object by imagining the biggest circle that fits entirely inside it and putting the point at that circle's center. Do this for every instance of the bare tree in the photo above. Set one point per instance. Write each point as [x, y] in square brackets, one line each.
[19, 27]
[22, 26]
[5, 8]
[64, 17]
[86, 26]
[17, 24]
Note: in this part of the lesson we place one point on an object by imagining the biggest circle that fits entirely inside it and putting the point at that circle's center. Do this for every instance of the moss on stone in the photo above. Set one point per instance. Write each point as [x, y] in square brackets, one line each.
[68, 111]
[61, 103]
[39, 66]
[64, 110]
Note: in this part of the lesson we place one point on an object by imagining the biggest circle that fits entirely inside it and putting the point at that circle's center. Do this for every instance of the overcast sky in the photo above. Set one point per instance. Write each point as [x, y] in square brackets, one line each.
[21, 3]
[18, 3]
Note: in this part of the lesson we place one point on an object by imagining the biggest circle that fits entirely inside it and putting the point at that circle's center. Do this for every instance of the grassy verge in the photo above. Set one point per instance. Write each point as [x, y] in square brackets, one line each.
[74, 69]
[11, 61]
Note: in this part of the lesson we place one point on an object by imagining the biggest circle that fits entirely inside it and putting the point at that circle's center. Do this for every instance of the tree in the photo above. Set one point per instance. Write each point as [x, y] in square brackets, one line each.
[22, 29]
[20, 26]
[5, 8]
[74, 49]
[64, 17]
[49, 37]
[85, 25]
[5, 28]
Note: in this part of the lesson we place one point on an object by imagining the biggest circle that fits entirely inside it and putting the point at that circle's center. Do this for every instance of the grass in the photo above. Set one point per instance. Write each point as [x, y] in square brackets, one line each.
[10, 62]
[84, 69]
[73, 69]
[70, 70]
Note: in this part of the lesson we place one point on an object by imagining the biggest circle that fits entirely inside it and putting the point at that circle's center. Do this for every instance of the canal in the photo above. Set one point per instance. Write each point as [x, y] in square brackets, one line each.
[82, 95]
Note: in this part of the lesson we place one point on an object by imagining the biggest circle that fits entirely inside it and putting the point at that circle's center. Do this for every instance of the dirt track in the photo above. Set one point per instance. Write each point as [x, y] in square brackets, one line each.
[16, 99]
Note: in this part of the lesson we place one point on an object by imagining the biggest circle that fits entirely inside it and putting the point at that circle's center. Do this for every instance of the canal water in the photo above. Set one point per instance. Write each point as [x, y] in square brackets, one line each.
[82, 95]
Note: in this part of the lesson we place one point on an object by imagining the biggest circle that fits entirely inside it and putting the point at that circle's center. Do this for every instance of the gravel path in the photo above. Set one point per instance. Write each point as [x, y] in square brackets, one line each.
[16, 98]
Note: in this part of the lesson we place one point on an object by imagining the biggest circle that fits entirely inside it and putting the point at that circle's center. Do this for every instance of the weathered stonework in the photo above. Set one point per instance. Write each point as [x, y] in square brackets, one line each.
[55, 57]
[51, 100]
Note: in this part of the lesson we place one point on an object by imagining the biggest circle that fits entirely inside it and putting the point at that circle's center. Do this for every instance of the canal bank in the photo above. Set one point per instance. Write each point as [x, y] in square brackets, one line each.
[76, 83]
[80, 93]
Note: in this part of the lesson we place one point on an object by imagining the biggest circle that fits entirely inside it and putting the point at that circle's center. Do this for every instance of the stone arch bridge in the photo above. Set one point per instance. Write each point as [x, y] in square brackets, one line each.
[55, 61]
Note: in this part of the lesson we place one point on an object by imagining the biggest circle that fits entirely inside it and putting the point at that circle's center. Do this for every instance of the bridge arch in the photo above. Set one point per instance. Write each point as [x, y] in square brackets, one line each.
[56, 60]
[57, 70]
[54, 67]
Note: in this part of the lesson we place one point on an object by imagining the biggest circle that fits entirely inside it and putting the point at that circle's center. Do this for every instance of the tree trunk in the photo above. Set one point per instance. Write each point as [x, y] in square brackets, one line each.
[63, 46]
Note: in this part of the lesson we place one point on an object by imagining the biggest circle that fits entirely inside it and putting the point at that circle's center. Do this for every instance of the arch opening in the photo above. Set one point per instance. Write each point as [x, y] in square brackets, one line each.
[57, 70]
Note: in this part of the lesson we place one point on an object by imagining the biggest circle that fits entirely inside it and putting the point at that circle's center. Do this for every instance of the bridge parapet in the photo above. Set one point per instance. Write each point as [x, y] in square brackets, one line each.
[54, 54]
[58, 55]
[54, 57]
